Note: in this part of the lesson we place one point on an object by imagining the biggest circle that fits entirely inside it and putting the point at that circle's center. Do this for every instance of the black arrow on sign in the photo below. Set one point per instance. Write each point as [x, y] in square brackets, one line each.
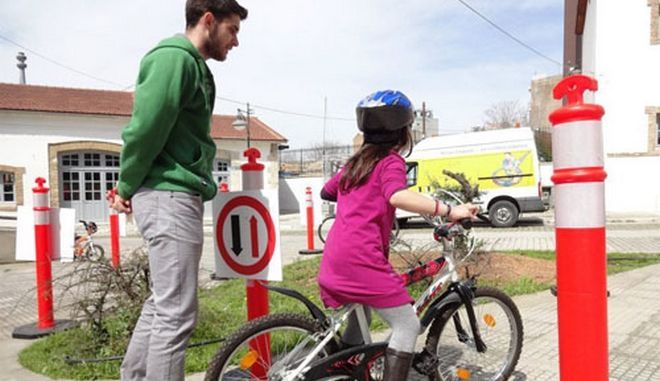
[236, 235]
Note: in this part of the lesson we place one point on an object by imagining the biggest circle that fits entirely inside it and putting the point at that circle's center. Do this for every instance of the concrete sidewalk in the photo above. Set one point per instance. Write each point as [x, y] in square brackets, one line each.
[634, 327]
[634, 305]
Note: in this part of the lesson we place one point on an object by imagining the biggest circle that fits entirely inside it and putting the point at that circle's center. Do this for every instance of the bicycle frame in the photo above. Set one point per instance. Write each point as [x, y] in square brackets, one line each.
[442, 269]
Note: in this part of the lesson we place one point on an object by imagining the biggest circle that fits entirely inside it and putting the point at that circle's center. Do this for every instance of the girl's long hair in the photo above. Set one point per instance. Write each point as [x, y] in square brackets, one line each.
[361, 164]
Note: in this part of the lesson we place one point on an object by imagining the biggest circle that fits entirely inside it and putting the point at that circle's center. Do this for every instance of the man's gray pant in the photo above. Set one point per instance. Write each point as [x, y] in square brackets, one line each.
[171, 224]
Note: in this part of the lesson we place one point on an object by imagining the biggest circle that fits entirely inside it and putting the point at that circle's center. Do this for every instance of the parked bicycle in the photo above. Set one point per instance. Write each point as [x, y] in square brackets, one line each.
[325, 225]
[84, 246]
[474, 333]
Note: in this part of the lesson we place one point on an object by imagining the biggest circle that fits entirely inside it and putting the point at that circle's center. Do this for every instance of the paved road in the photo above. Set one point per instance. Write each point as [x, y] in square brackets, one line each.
[634, 308]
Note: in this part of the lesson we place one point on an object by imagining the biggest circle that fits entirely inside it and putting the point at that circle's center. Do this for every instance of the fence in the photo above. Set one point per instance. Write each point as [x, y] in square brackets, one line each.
[314, 162]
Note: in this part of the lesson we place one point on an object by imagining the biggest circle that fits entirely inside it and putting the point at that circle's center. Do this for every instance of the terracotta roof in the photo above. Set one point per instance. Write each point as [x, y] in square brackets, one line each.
[106, 102]
[222, 128]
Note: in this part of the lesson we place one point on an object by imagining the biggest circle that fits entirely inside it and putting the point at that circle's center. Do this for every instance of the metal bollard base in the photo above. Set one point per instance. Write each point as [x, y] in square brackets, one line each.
[31, 331]
[310, 251]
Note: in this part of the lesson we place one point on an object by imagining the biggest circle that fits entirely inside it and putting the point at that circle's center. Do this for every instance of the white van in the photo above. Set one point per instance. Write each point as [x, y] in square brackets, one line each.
[504, 163]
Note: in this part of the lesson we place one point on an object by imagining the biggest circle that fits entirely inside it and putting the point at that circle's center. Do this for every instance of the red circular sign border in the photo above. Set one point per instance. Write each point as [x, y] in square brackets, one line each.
[265, 214]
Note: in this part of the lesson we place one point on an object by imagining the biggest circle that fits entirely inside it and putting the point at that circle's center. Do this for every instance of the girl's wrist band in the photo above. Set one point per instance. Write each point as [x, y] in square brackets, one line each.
[448, 209]
[437, 208]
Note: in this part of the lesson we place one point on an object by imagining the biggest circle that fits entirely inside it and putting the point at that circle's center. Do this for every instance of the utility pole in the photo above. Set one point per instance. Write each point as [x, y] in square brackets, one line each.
[325, 115]
[21, 65]
[423, 120]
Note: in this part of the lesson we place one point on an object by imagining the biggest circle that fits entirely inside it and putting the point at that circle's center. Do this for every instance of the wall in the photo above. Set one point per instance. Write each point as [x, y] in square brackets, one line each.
[618, 53]
[25, 136]
[632, 185]
[625, 64]
[292, 195]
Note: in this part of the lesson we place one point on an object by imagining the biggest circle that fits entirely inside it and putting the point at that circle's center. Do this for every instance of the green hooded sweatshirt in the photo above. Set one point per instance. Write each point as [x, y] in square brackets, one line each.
[167, 143]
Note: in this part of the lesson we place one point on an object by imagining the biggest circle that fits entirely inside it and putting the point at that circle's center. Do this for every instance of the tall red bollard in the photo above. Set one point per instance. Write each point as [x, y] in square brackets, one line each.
[46, 323]
[257, 295]
[114, 233]
[43, 248]
[310, 224]
[579, 175]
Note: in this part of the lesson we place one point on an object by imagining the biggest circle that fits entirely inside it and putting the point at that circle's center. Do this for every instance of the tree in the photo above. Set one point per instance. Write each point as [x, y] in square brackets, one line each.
[506, 114]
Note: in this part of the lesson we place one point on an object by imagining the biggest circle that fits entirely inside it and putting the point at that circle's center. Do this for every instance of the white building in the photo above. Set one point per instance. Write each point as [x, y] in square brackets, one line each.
[72, 138]
[425, 124]
[618, 43]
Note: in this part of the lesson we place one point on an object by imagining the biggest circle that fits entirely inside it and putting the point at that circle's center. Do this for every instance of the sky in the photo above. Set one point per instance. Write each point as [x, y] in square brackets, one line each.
[297, 55]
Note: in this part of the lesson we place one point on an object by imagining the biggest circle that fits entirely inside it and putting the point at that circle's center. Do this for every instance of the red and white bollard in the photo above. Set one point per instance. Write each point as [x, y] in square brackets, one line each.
[579, 175]
[257, 295]
[309, 204]
[114, 233]
[43, 248]
[46, 323]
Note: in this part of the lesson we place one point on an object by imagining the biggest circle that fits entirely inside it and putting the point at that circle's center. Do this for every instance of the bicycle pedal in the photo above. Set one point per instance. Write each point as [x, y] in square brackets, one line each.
[425, 362]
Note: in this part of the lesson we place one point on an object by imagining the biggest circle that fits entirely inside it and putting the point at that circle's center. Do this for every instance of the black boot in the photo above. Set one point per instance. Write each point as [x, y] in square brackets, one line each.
[397, 365]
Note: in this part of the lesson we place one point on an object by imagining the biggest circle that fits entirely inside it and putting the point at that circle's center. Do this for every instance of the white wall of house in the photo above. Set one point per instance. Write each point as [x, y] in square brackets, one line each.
[24, 139]
[25, 136]
[618, 53]
[632, 185]
[292, 196]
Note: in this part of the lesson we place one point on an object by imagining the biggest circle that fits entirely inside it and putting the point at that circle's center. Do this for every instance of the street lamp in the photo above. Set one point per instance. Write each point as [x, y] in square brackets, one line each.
[243, 121]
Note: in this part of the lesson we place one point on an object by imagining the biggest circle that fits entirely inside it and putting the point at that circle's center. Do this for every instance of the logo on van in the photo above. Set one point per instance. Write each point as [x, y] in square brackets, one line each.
[509, 174]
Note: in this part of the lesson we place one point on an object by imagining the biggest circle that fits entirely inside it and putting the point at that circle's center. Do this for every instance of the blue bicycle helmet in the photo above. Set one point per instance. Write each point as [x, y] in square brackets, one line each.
[381, 116]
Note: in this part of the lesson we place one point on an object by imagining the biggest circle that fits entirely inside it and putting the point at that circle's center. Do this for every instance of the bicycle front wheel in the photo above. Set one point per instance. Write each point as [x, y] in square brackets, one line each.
[265, 348]
[501, 330]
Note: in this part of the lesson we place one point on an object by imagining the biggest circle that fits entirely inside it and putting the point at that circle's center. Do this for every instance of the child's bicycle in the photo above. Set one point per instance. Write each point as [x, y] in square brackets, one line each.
[474, 333]
[84, 246]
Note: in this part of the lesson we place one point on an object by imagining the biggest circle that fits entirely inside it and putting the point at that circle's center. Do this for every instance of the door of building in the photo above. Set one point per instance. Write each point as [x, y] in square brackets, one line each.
[84, 178]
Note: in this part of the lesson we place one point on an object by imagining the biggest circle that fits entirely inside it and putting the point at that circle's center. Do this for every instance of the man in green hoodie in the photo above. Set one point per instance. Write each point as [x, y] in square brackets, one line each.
[165, 176]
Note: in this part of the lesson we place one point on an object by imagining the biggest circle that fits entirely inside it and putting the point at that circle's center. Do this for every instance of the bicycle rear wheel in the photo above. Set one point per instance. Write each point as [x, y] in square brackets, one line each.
[290, 337]
[95, 253]
[500, 327]
[324, 227]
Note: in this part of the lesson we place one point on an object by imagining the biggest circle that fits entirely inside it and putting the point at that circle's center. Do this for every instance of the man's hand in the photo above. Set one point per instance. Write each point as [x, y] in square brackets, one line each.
[117, 203]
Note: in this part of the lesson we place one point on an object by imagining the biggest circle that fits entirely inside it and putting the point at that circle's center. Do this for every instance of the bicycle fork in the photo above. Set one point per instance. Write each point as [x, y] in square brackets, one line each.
[467, 295]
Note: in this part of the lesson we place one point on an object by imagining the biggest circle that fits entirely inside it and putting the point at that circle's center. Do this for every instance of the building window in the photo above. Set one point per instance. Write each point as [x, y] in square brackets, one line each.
[655, 21]
[7, 189]
[653, 113]
[221, 171]
[657, 130]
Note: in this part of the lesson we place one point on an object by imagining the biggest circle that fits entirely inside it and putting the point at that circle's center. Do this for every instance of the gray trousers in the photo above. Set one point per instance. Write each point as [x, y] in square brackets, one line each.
[172, 226]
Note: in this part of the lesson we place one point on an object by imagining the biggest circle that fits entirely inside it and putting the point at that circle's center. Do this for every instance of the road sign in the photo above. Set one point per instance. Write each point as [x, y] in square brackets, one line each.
[246, 235]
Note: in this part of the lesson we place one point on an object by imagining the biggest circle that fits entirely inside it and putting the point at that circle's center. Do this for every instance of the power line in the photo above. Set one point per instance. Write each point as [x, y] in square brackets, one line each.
[514, 38]
[285, 111]
[62, 65]
[124, 87]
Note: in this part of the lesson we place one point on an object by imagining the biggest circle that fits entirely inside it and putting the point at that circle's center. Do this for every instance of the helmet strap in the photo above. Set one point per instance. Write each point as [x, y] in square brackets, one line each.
[382, 137]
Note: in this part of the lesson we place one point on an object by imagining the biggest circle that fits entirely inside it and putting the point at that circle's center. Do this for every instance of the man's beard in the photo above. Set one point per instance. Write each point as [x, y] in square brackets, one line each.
[212, 46]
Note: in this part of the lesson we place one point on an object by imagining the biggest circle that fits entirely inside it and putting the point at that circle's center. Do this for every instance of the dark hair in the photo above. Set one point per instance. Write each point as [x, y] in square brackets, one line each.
[219, 8]
[359, 167]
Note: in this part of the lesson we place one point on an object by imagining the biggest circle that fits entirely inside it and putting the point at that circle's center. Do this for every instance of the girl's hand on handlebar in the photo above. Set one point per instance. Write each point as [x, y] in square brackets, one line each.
[464, 211]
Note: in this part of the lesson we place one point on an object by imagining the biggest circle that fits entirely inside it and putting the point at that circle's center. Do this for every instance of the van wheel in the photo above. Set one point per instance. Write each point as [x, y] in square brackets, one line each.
[503, 214]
